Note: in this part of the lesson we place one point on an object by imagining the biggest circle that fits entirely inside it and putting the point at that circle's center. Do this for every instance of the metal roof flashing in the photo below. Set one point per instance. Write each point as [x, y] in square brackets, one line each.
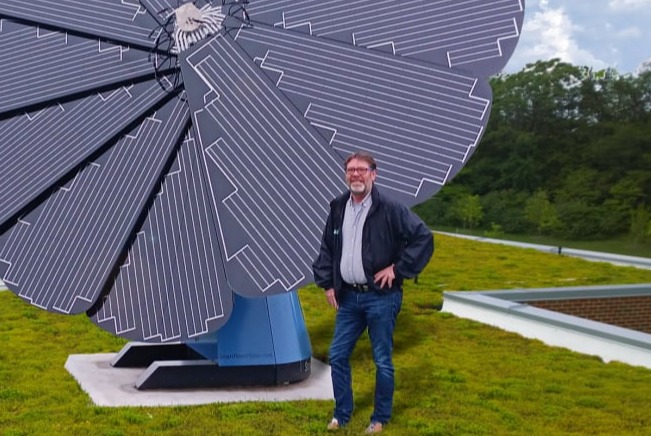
[508, 310]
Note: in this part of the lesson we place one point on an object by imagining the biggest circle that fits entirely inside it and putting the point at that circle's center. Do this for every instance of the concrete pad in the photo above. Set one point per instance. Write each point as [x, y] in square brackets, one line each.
[114, 387]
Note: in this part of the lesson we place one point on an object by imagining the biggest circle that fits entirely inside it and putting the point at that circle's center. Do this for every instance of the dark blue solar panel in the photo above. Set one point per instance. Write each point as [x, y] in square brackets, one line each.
[118, 20]
[40, 65]
[55, 140]
[421, 121]
[476, 35]
[272, 175]
[78, 234]
[173, 276]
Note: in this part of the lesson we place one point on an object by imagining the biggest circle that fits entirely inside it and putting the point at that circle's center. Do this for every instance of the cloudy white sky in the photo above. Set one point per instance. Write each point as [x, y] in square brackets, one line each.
[598, 33]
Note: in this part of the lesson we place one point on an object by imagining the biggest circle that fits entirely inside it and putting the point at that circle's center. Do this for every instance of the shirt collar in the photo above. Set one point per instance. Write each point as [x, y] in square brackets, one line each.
[367, 201]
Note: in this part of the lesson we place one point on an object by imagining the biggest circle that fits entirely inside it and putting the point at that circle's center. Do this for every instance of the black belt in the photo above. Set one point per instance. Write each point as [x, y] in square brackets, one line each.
[357, 288]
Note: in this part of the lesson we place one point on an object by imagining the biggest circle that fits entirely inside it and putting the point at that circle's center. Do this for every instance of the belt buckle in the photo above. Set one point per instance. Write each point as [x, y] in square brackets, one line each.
[361, 288]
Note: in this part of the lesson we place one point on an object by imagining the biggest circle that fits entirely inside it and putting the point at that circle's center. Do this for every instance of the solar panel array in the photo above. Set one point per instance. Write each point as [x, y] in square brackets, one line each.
[144, 187]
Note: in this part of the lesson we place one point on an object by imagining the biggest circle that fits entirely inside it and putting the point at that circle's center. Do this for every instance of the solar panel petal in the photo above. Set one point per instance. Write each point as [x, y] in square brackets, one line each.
[272, 174]
[421, 121]
[124, 21]
[476, 35]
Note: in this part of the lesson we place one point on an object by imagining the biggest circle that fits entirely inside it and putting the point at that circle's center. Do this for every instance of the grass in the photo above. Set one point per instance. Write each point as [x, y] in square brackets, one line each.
[619, 245]
[454, 376]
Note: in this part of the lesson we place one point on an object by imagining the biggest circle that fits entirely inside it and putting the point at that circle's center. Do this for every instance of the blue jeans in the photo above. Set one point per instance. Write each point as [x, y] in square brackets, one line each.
[358, 311]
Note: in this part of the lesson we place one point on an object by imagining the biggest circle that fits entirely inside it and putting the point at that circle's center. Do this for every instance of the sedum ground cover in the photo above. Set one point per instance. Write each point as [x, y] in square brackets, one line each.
[454, 376]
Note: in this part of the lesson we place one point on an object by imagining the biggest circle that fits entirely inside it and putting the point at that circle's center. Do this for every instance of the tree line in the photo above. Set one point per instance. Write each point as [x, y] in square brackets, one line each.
[567, 153]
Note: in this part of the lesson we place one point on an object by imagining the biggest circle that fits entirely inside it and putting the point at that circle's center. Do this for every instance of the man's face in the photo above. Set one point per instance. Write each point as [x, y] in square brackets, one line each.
[359, 177]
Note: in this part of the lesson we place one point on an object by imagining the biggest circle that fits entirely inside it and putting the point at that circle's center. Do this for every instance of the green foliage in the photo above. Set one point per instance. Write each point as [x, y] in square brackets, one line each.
[468, 211]
[542, 213]
[580, 220]
[584, 137]
[438, 209]
[581, 185]
[496, 232]
[454, 376]
[506, 208]
[640, 224]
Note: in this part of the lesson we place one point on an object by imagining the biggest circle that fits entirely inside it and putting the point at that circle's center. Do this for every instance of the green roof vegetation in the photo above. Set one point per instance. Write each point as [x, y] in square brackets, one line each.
[454, 376]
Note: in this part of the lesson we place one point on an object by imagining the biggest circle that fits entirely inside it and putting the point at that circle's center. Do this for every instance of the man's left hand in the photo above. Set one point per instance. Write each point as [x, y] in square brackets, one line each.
[385, 277]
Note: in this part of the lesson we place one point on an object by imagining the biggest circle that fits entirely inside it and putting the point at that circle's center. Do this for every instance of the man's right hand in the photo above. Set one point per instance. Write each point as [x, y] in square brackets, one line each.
[332, 300]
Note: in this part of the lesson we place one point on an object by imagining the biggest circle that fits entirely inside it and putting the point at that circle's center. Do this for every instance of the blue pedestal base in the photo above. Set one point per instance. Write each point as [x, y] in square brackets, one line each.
[265, 342]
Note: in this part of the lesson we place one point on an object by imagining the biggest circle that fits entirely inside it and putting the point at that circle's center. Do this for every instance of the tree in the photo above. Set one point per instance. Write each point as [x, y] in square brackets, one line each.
[439, 209]
[640, 224]
[583, 184]
[579, 220]
[468, 210]
[581, 136]
[506, 209]
[542, 213]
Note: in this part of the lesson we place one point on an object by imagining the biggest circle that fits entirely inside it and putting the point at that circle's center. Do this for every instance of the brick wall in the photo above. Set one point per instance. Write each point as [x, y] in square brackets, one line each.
[633, 313]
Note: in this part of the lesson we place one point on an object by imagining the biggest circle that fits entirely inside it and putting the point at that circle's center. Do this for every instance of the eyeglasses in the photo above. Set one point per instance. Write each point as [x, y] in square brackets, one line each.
[360, 170]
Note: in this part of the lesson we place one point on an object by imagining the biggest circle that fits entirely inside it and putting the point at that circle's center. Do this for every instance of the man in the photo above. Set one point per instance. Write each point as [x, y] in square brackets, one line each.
[370, 244]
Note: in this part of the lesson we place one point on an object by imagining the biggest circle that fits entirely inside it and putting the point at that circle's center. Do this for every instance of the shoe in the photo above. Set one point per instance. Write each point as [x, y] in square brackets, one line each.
[374, 427]
[334, 424]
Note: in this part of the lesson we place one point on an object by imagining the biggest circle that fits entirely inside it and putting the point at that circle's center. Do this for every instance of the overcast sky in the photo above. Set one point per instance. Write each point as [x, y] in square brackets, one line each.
[598, 33]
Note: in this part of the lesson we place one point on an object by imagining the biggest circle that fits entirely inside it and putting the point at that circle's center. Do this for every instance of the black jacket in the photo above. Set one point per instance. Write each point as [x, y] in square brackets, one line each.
[391, 234]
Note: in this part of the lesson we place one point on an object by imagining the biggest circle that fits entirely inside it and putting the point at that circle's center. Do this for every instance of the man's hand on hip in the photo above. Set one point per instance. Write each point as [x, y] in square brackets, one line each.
[385, 277]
